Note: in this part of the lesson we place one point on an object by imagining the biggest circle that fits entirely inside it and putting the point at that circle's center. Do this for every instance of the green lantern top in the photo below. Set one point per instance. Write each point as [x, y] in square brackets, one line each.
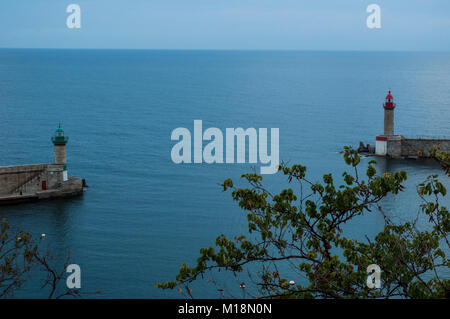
[59, 137]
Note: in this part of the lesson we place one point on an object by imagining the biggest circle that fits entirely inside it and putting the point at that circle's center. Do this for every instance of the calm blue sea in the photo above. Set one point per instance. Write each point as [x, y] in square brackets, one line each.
[143, 215]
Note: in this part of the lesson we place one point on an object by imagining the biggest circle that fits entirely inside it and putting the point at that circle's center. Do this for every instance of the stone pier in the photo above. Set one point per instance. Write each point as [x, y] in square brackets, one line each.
[36, 181]
[23, 183]
[398, 146]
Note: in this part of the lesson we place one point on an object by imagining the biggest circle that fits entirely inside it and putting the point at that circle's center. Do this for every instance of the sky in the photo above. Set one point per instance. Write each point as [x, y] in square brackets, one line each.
[406, 25]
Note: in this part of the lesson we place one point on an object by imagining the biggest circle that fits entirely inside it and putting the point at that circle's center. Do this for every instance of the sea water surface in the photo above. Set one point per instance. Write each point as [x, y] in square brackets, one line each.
[142, 215]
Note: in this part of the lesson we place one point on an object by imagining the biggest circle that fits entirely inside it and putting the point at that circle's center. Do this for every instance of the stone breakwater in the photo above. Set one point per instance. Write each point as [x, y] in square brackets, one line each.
[398, 146]
[36, 181]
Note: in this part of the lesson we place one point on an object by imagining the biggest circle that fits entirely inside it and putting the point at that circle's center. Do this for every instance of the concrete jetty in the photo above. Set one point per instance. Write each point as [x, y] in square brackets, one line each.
[23, 183]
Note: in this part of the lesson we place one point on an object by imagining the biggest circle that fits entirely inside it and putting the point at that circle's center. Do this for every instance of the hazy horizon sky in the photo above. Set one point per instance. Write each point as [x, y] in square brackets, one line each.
[415, 25]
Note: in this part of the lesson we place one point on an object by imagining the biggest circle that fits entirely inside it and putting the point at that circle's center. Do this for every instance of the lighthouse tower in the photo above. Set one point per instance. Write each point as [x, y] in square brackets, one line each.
[381, 146]
[59, 142]
[389, 107]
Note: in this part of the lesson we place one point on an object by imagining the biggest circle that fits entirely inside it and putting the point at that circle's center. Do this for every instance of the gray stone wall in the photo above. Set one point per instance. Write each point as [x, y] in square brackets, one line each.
[400, 147]
[53, 175]
[27, 179]
[394, 146]
[416, 146]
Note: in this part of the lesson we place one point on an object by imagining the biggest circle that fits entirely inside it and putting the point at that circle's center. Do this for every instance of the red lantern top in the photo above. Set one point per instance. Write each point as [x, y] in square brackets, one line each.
[389, 96]
[389, 104]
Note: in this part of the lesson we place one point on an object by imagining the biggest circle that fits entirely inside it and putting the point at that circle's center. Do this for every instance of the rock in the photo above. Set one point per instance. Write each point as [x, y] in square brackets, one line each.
[362, 148]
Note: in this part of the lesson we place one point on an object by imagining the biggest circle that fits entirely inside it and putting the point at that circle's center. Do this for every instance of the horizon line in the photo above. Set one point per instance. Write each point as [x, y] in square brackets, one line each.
[215, 49]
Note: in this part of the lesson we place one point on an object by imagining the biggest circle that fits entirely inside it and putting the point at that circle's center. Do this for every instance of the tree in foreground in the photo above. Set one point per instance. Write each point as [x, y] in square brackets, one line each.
[305, 231]
[20, 256]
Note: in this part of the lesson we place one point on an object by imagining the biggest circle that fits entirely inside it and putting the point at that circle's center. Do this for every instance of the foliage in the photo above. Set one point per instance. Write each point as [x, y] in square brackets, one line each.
[20, 254]
[442, 157]
[306, 232]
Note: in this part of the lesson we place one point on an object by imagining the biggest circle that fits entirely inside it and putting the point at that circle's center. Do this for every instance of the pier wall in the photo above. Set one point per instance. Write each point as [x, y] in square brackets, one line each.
[400, 147]
[27, 179]
[394, 146]
[414, 146]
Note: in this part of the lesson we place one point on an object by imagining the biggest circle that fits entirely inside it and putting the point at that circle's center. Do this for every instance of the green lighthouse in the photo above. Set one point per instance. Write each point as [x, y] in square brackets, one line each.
[59, 142]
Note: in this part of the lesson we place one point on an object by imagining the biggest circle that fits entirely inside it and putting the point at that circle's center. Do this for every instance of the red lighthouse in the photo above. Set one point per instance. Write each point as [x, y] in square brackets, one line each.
[389, 106]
